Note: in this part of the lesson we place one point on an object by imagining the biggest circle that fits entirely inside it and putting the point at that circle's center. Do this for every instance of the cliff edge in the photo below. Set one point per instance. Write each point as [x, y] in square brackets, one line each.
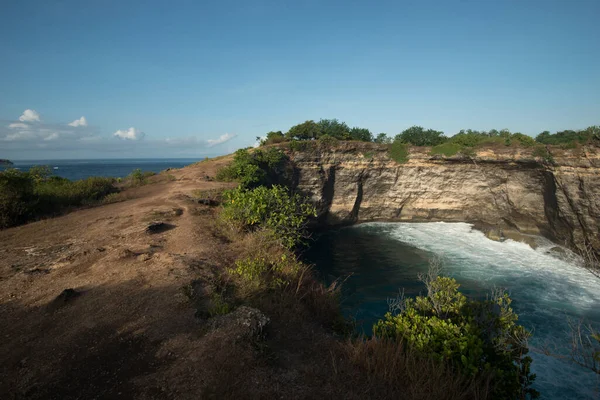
[502, 188]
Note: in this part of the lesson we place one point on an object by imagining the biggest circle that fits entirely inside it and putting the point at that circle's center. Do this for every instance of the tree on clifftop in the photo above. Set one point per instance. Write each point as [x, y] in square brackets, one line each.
[305, 131]
[418, 136]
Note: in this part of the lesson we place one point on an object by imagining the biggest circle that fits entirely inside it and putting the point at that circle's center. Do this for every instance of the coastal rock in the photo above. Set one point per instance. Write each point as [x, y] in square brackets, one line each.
[506, 188]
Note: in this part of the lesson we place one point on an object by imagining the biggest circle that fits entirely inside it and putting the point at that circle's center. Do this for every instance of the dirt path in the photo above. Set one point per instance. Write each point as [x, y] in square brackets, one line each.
[126, 306]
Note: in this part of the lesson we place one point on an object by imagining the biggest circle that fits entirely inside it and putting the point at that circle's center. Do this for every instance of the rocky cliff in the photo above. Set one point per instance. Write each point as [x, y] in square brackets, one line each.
[501, 189]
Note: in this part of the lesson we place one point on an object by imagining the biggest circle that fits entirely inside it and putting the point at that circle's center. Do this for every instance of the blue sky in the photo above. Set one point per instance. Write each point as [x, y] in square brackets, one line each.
[191, 78]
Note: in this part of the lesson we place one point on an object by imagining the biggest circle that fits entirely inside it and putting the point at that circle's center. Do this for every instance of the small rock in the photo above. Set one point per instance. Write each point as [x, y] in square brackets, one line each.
[158, 227]
[144, 257]
[245, 322]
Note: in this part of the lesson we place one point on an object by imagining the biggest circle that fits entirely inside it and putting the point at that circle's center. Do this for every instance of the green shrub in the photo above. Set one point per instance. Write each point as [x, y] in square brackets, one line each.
[36, 193]
[137, 177]
[272, 137]
[251, 169]
[475, 336]
[418, 136]
[447, 149]
[398, 152]
[588, 135]
[543, 153]
[523, 140]
[17, 200]
[327, 141]
[285, 214]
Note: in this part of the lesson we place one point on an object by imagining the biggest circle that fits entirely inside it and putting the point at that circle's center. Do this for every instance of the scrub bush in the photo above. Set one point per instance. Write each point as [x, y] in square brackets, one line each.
[398, 152]
[284, 214]
[475, 336]
[25, 196]
[252, 169]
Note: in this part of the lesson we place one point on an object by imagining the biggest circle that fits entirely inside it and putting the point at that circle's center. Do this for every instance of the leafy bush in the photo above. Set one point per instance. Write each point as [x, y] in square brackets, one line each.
[327, 141]
[254, 169]
[398, 152]
[137, 177]
[588, 135]
[523, 140]
[362, 134]
[476, 336]
[284, 214]
[273, 137]
[333, 128]
[447, 149]
[418, 136]
[36, 193]
[17, 200]
[305, 131]
[383, 138]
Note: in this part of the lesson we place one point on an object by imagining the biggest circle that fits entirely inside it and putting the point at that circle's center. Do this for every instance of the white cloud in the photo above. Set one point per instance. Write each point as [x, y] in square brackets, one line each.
[79, 122]
[29, 116]
[18, 125]
[221, 139]
[130, 134]
[52, 136]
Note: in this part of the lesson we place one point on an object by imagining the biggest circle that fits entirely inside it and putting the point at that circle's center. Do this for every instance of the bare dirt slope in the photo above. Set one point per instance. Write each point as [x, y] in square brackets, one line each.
[127, 311]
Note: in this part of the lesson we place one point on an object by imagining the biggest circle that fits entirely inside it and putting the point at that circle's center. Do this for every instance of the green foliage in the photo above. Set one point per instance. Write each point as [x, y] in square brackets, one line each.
[251, 169]
[543, 153]
[137, 177]
[36, 193]
[275, 209]
[273, 137]
[447, 149]
[298, 145]
[17, 200]
[305, 131]
[398, 152]
[362, 134]
[328, 141]
[588, 135]
[334, 128]
[418, 136]
[523, 140]
[383, 138]
[476, 336]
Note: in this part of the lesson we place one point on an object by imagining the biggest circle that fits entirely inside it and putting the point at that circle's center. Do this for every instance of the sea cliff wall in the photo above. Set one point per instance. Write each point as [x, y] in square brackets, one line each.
[504, 188]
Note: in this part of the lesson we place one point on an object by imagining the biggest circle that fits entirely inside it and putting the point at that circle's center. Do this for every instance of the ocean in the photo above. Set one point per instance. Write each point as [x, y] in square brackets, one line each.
[81, 169]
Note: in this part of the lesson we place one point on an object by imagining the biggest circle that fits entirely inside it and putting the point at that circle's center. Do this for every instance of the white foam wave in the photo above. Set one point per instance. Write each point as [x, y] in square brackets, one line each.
[546, 289]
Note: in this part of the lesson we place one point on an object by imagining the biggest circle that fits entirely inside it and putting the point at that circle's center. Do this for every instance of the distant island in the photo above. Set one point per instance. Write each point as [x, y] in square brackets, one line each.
[5, 162]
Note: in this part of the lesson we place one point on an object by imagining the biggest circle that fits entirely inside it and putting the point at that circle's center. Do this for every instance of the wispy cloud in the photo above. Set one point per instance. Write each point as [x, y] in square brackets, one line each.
[221, 139]
[130, 134]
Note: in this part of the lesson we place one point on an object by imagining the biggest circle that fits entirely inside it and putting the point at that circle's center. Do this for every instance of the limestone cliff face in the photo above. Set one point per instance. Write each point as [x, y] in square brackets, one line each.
[501, 189]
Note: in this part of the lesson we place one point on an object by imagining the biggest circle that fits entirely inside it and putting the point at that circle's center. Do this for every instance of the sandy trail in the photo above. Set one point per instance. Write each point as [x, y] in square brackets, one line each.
[129, 300]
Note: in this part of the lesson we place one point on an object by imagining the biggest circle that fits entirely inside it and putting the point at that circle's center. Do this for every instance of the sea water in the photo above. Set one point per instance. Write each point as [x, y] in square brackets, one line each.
[116, 168]
[548, 285]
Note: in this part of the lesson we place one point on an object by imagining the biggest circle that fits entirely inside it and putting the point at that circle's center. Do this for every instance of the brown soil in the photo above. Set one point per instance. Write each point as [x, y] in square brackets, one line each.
[126, 316]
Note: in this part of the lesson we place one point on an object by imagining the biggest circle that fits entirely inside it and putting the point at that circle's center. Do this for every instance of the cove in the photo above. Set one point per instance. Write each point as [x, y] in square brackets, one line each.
[376, 260]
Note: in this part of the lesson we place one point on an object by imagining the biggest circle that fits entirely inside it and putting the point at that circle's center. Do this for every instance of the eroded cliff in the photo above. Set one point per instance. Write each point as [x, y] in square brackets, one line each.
[502, 188]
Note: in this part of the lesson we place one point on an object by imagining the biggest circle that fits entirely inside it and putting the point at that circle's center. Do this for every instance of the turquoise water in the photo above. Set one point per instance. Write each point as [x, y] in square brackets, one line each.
[80, 169]
[376, 260]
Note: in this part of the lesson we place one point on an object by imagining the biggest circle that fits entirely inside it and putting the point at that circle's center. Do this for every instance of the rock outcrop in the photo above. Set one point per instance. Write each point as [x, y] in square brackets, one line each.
[501, 188]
